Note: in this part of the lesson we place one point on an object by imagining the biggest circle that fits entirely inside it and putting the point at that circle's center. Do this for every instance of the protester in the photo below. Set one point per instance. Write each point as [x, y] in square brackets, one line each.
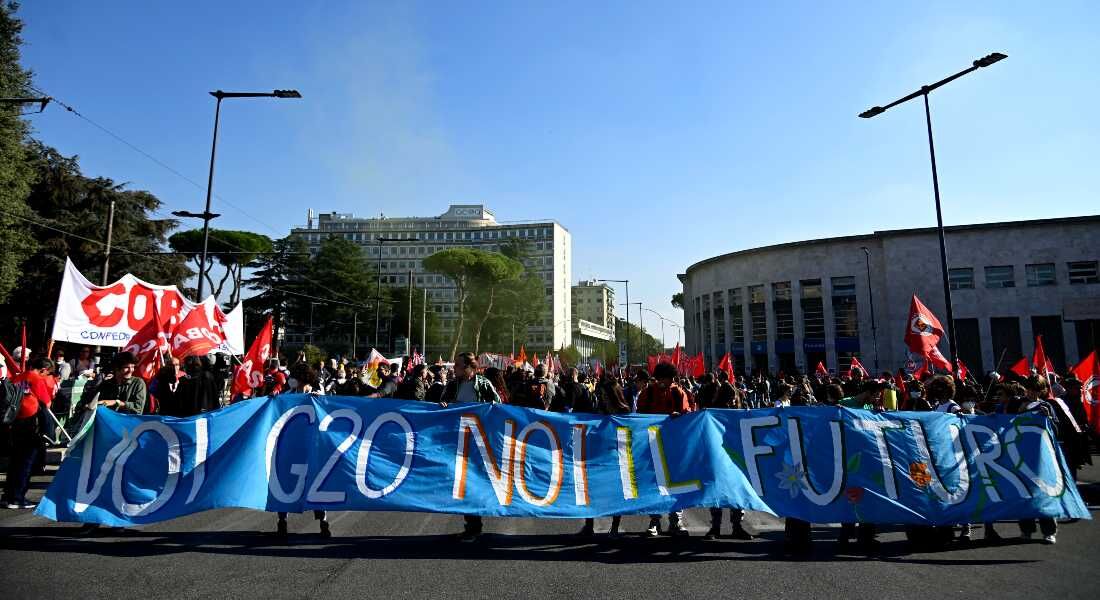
[665, 398]
[83, 363]
[1037, 391]
[24, 438]
[275, 381]
[415, 384]
[197, 392]
[469, 386]
[307, 383]
[164, 388]
[120, 391]
[496, 377]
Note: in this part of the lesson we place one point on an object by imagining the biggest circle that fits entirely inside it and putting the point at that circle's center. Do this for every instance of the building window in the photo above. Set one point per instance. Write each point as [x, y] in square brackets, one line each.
[784, 311]
[961, 278]
[758, 322]
[1083, 272]
[719, 324]
[1000, 277]
[813, 310]
[1040, 275]
[737, 319]
[845, 312]
[706, 326]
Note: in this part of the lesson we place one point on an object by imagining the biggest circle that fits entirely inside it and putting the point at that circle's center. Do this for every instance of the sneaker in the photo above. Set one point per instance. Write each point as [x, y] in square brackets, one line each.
[678, 530]
[1049, 540]
[325, 531]
[468, 536]
[586, 532]
[712, 534]
[653, 531]
[614, 534]
[992, 537]
[280, 529]
[21, 505]
[964, 538]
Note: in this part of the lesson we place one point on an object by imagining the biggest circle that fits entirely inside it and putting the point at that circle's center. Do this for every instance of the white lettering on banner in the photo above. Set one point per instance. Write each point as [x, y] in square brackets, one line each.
[368, 443]
[298, 469]
[627, 476]
[315, 494]
[754, 450]
[1048, 449]
[879, 429]
[556, 467]
[580, 466]
[501, 477]
[935, 483]
[202, 441]
[794, 431]
[665, 485]
[144, 508]
[84, 496]
[984, 461]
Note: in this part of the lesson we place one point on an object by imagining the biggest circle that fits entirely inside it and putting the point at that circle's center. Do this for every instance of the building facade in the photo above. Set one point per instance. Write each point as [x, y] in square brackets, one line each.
[408, 240]
[594, 302]
[789, 306]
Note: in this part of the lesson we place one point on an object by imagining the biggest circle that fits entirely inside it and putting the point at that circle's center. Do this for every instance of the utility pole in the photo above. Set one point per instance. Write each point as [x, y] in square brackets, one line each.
[424, 326]
[410, 328]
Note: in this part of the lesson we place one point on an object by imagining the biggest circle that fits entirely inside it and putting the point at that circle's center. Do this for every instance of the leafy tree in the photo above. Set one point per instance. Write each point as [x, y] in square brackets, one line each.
[641, 343]
[280, 280]
[17, 241]
[569, 356]
[75, 208]
[461, 266]
[225, 248]
[492, 271]
[341, 272]
[678, 300]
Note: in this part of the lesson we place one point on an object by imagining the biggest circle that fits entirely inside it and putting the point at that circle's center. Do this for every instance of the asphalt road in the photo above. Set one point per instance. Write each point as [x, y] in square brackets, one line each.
[230, 554]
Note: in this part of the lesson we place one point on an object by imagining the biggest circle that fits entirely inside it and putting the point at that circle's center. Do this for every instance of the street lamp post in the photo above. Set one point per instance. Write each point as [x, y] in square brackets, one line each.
[626, 283]
[871, 296]
[206, 215]
[985, 61]
[378, 291]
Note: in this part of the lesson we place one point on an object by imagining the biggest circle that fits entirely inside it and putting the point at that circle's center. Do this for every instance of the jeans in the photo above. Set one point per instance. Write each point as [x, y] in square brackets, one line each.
[25, 445]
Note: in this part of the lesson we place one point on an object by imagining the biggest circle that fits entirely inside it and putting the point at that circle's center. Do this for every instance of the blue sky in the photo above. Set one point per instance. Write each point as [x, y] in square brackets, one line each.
[659, 134]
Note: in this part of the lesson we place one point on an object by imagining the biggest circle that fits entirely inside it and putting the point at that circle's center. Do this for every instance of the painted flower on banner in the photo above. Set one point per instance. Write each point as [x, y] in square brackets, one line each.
[854, 494]
[918, 472]
[790, 478]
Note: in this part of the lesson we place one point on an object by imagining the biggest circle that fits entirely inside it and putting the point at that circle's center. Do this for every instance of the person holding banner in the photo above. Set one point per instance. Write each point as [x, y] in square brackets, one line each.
[120, 391]
[1037, 391]
[469, 386]
[665, 398]
[308, 382]
[26, 443]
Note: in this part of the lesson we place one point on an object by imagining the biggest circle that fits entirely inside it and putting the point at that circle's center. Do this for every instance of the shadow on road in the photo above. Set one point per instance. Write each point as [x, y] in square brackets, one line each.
[560, 548]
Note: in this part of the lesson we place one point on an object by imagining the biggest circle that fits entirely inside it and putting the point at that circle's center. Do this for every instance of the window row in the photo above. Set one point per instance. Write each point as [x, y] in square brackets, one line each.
[1081, 272]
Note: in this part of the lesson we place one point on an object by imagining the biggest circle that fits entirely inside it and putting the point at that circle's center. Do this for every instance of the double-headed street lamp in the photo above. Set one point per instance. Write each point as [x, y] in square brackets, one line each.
[206, 215]
[985, 61]
[663, 319]
[625, 282]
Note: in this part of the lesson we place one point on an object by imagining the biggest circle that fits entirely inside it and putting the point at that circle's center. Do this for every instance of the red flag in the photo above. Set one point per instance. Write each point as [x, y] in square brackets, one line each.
[821, 370]
[937, 359]
[698, 365]
[924, 330]
[856, 365]
[1088, 371]
[1040, 361]
[535, 360]
[963, 372]
[678, 358]
[13, 368]
[522, 355]
[195, 336]
[149, 344]
[1021, 368]
[250, 375]
[651, 363]
[726, 364]
[922, 370]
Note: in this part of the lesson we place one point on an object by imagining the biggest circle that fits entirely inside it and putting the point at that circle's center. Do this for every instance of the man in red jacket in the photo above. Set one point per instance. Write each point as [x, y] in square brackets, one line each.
[37, 387]
[665, 398]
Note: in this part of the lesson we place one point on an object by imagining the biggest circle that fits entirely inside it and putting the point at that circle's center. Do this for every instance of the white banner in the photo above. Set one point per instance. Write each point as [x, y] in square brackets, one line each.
[110, 315]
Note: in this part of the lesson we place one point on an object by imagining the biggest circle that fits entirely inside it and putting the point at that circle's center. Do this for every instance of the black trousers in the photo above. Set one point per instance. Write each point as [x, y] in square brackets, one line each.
[320, 515]
[25, 447]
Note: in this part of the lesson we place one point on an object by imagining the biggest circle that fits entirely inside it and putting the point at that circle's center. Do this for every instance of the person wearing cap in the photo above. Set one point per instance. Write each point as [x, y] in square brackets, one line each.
[665, 398]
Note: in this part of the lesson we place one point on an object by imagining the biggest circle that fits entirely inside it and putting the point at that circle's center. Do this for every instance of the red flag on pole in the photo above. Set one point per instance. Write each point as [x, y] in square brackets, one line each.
[1021, 368]
[522, 355]
[698, 365]
[924, 330]
[650, 363]
[13, 366]
[1088, 371]
[194, 335]
[937, 359]
[821, 370]
[250, 375]
[856, 365]
[678, 358]
[149, 344]
[1039, 359]
[726, 364]
[963, 372]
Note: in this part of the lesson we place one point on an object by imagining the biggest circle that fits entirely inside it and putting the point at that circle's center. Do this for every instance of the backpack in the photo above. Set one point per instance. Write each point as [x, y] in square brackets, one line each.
[11, 398]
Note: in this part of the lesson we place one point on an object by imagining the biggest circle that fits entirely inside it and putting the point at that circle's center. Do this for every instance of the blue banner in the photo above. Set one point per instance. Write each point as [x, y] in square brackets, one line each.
[297, 452]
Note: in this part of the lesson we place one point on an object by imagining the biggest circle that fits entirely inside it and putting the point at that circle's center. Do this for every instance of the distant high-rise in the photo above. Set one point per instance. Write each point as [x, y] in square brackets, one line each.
[470, 225]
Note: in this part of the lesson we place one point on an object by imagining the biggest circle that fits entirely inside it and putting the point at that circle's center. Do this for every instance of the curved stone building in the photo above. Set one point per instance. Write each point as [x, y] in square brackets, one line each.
[789, 306]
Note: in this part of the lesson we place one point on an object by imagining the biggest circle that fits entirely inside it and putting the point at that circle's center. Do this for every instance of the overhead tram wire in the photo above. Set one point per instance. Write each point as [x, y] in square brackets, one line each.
[155, 257]
[165, 166]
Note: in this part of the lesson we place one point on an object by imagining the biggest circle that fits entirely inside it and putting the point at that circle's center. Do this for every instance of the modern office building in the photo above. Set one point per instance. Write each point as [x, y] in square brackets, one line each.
[470, 225]
[594, 302]
[791, 305]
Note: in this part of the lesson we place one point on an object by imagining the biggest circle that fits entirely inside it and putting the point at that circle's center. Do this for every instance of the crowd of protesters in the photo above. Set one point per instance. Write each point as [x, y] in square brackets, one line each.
[199, 384]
